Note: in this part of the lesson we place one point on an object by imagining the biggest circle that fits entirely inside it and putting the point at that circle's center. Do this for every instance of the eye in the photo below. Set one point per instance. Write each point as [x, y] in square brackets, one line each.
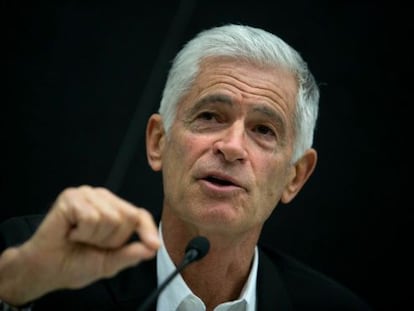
[264, 130]
[207, 116]
[206, 120]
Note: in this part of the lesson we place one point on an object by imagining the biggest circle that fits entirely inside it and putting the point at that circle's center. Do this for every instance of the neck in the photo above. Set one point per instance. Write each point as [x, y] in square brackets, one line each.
[227, 263]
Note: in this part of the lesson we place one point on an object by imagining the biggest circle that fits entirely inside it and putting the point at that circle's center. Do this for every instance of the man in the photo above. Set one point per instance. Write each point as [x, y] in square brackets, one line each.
[233, 138]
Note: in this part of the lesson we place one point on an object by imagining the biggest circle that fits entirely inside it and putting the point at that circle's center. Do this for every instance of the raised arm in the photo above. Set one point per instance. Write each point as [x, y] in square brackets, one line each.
[83, 238]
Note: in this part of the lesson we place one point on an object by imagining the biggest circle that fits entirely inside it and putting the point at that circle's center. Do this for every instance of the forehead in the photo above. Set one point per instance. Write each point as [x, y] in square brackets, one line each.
[246, 82]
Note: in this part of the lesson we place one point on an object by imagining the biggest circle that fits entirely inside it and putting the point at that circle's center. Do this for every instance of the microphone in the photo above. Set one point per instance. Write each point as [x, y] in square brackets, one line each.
[196, 249]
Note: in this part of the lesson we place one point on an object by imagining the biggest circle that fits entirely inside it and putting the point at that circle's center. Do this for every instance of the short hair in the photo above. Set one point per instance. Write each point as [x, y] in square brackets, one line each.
[256, 46]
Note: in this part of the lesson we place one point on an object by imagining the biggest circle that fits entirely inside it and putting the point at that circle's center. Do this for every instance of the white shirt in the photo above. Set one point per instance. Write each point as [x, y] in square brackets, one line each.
[178, 297]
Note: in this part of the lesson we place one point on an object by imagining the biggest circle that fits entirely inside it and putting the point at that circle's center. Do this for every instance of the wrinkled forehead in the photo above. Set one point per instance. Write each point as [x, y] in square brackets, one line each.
[257, 73]
[245, 78]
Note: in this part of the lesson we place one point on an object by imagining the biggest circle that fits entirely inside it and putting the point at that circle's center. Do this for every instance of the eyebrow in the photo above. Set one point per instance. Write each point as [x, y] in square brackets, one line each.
[268, 112]
[272, 114]
[276, 117]
[221, 98]
[225, 99]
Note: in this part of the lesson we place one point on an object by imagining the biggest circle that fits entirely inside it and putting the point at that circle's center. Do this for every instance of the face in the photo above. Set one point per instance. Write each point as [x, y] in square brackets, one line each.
[227, 161]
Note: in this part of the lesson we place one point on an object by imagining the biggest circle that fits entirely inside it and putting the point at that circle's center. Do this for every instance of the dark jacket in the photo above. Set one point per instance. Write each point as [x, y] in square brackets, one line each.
[283, 283]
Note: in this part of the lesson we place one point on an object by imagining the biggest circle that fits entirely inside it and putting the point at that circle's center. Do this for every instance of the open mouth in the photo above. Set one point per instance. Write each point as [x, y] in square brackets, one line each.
[219, 181]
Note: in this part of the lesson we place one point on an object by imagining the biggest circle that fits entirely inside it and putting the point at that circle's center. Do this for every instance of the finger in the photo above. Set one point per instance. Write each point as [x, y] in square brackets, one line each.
[140, 219]
[73, 204]
[112, 230]
[123, 225]
[87, 216]
[147, 229]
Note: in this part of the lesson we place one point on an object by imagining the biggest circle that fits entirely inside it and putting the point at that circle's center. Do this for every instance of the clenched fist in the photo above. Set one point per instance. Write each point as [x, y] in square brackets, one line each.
[83, 238]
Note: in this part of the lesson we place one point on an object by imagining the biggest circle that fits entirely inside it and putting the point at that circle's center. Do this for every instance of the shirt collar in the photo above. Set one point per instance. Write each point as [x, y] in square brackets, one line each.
[177, 293]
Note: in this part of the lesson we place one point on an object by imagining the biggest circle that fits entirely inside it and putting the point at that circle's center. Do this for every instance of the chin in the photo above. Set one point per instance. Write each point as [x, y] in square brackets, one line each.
[220, 217]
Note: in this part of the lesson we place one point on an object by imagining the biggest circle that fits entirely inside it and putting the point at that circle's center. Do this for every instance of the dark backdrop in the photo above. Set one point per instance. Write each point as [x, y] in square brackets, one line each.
[82, 78]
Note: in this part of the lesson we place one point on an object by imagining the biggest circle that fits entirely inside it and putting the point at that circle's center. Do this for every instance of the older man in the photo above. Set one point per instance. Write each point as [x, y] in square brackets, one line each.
[233, 138]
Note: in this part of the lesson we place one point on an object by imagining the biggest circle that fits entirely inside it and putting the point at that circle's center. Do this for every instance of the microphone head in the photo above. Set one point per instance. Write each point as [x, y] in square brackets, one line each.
[200, 244]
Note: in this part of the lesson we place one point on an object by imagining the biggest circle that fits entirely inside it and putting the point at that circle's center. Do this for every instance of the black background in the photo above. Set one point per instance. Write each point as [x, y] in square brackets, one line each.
[79, 73]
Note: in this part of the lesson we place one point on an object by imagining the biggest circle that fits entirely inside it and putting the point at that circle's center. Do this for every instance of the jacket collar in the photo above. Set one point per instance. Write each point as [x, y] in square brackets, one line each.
[131, 286]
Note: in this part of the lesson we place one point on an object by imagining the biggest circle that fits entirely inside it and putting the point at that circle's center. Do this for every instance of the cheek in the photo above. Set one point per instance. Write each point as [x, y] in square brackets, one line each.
[272, 179]
[179, 154]
[193, 146]
[269, 192]
[173, 169]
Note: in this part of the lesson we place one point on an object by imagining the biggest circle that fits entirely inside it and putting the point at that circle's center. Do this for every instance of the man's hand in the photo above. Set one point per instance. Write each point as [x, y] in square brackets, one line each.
[82, 239]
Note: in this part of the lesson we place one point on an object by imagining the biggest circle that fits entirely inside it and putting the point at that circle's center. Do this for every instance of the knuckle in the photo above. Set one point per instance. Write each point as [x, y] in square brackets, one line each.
[102, 191]
[142, 216]
[65, 199]
[84, 188]
[74, 191]
[114, 219]
[143, 212]
[90, 217]
[68, 192]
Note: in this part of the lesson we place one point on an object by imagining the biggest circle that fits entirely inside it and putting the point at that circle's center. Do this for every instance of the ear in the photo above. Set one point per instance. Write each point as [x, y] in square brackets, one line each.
[155, 137]
[301, 171]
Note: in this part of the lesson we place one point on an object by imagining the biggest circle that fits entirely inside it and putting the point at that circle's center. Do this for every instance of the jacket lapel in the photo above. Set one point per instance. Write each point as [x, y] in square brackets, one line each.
[271, 291]
[132, 286]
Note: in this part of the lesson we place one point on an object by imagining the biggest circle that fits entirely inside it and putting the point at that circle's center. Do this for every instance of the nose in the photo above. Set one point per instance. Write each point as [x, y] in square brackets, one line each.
[232, 144]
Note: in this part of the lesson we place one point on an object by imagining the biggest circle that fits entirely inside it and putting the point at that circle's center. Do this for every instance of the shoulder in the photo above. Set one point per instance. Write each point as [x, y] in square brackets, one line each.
[308, 288]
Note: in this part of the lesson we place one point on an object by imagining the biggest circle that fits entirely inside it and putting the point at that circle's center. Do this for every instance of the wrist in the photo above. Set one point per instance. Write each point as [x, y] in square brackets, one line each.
[14, 281]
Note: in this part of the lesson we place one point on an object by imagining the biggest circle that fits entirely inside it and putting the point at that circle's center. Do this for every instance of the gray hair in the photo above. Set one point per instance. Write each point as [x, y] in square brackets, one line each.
[257, 46]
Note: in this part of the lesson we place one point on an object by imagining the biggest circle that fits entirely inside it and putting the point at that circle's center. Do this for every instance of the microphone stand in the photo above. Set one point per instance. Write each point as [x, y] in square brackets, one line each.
[196, 249]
